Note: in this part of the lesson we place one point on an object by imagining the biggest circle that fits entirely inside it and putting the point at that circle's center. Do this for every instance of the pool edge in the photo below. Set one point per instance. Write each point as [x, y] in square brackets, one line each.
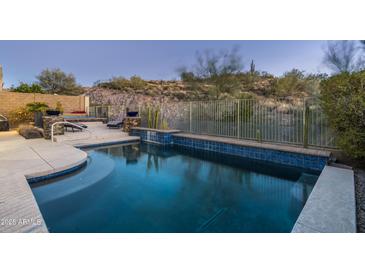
[331, 206]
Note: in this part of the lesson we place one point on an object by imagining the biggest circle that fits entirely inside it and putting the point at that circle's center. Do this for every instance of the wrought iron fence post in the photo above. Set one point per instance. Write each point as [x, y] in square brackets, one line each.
[238, 119]
[305, 123]
[190, 116]
[108, 112]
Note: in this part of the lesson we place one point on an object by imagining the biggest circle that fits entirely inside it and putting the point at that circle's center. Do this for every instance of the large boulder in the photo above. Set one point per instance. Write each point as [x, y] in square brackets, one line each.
[30, 132]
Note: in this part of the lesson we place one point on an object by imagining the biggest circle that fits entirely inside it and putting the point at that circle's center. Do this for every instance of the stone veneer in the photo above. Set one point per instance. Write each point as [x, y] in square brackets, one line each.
[130, 122]
[291, 156]
[47, 123]
[151, 135]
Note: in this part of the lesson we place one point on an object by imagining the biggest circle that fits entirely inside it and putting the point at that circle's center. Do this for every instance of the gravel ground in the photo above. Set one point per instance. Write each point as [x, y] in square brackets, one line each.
[360, 199]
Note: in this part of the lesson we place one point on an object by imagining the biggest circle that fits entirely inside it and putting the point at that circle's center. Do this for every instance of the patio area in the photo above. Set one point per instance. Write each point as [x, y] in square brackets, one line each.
[96, 133]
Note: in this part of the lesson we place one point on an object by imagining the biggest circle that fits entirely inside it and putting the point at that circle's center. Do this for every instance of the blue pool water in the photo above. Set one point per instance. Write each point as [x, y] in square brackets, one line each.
[149, 188]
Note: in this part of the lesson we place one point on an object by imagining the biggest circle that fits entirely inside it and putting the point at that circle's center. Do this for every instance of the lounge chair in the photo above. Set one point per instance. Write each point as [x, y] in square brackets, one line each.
[114, 124]
[73, 127]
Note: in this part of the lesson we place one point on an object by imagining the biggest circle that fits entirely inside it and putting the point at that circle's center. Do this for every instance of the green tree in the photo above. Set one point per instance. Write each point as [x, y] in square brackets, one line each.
[218, 70]
[26, 88]
[57, 81]
[343, 100]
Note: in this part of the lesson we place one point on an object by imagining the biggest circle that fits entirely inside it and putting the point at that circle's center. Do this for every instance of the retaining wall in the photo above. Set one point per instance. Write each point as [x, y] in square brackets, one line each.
[10, 101]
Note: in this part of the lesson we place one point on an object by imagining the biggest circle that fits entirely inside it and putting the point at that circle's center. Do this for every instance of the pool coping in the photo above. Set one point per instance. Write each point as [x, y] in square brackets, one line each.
[107, 143]
[157, 130]
[64, 171]
[69, 168]
[331, 206]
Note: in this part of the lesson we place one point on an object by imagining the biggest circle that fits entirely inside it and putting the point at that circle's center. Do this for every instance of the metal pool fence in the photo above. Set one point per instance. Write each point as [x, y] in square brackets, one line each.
[99, 111]
[297, 122]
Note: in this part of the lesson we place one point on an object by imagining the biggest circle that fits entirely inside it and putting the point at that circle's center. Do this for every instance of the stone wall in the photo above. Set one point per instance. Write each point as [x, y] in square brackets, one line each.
[47, 124]
[12, 100]
[130, 122]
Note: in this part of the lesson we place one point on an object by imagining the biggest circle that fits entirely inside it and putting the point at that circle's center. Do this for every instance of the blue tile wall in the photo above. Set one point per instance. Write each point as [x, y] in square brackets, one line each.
[305, 161]
[287, 158]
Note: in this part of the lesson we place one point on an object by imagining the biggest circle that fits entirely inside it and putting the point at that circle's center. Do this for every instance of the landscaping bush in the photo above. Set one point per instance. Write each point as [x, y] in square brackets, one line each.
[343, 100]
[36, 106]
[19, 116]
[30, 132]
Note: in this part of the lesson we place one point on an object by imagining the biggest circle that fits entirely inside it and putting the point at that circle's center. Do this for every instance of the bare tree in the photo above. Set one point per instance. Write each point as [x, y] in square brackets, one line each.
[343, 56]
[219, 69]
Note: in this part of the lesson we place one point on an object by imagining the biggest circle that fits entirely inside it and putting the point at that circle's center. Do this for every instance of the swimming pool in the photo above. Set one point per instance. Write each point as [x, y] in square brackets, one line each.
[152, 188]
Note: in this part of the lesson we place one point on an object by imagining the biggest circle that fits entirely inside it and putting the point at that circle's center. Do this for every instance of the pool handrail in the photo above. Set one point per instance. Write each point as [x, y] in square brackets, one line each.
[66, 122]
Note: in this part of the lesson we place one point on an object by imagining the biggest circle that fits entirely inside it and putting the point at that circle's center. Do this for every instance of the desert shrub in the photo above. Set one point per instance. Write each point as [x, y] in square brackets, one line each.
[137, 82]
[119, 83]
[26, 88]
[296, 83]
[36, 106]
[343, 100]
[245, 96]
[122, 83]
[313, 83]
[290, 83]
[19, 116]
[30, 132]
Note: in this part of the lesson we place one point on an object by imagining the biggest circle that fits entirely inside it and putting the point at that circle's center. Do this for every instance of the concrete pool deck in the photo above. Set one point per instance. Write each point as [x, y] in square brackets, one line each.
[97, 133]
[331, 206]
[22, 159]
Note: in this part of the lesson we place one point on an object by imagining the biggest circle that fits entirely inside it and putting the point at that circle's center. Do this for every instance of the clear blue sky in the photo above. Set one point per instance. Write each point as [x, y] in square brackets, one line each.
[90, 61]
